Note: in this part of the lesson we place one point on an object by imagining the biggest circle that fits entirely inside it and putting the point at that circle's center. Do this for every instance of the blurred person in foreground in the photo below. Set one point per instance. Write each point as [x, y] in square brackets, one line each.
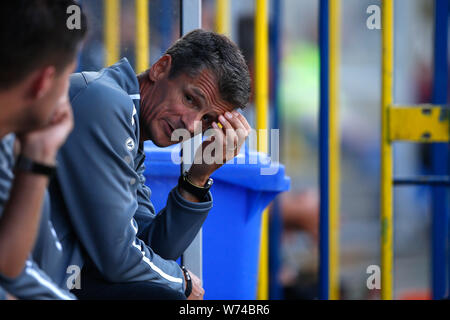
[38, 55]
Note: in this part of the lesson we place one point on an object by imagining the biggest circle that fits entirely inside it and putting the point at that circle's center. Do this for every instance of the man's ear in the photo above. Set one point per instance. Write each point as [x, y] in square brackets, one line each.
[161, 68]
[41, 82]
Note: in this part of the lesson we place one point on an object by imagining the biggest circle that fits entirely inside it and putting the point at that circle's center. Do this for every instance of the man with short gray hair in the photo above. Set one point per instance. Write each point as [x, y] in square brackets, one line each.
[100, 193]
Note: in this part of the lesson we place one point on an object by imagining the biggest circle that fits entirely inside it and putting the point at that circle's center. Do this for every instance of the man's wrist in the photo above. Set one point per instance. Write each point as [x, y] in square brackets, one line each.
[187, 281]
[191, 191]
[40, 154]
[198, 181]
[25, 164]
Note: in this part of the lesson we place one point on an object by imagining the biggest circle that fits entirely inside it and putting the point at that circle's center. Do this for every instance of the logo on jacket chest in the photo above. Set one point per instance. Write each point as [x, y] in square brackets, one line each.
[129, 143]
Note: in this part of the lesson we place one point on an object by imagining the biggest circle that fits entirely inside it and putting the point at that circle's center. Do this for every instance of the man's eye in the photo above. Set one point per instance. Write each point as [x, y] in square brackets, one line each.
[189, 98]
[206, 118]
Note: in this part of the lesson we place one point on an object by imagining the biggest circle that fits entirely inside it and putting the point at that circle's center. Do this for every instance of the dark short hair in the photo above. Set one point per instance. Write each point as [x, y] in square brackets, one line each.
[199, 50]
[34, 33]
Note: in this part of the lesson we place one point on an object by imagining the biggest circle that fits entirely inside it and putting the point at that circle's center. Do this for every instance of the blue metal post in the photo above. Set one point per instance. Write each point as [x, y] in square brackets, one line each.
[275, 59]
[275, 230]
[324, 151]
[276, 224]
[165, 24]
[440, 153]
[79, 67]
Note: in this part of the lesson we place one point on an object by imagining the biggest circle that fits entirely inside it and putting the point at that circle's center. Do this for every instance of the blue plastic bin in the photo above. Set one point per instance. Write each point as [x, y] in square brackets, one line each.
[231, 233]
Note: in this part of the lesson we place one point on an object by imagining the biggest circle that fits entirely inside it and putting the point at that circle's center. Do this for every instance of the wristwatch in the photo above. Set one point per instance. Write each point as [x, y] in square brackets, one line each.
[187, 276]
[26, 164]
[199, 192]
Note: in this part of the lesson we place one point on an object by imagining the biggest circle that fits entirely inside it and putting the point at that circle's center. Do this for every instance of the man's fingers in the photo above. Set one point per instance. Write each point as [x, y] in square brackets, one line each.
[225, 123]
[62, 112]
[63, 121]
[230, 133]
[236, 133]
[234, 121]
[237, 123]
[216, 126]
[230, 125]
[197, 289]
[242, 128]
[242, 134]
[218, 132]
[243, 121]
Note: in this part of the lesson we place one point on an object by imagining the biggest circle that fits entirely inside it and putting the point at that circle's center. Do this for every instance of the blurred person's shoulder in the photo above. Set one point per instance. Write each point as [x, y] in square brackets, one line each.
[7, 161]
[7, 150]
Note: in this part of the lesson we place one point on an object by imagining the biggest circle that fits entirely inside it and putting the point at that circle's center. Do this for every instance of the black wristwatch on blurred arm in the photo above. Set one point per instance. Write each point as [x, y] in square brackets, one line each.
[199, 192]
[26, 164]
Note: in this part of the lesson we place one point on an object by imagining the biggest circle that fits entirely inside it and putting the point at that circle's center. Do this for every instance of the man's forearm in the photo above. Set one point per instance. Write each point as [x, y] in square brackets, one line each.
[175, 227]
[20, 221]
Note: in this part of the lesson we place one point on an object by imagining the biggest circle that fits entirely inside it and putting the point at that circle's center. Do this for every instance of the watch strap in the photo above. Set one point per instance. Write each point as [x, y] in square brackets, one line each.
[24, 163]
[188, 279]
[199, 192]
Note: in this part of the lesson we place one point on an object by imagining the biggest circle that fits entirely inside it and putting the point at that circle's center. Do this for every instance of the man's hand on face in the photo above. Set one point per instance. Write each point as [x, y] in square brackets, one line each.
[42, 145]
[197, 292]
[235, 129]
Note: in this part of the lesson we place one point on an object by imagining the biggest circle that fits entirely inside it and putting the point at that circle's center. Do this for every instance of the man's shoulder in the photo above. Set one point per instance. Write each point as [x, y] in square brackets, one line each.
[95, 96]
[96, 87]
[111, 84]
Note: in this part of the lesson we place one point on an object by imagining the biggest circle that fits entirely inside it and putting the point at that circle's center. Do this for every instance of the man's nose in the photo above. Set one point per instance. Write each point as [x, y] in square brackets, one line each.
[192, 122]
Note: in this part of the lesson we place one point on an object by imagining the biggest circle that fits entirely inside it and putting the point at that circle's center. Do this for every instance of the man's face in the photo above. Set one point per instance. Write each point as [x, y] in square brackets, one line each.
[55, 94]
[181, 103]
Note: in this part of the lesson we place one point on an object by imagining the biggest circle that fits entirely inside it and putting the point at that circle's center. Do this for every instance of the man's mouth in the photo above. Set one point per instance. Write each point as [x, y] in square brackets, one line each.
[168, 128]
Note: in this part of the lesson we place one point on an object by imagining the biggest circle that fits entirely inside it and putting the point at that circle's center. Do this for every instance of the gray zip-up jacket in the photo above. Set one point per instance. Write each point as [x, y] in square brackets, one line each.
[100, 186]
[45, 273]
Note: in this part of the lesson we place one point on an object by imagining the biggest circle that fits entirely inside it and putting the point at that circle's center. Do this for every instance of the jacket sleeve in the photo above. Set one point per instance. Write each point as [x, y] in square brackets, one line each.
[173, 229]
[6, 169]
[99, 185]
[34, 284]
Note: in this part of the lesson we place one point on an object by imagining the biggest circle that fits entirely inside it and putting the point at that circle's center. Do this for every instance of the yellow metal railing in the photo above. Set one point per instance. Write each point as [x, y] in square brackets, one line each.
[223, 17]
[422, 123]
[142, 36]
[387, 250]
[111, 9]
[419, 123]
[334, 152]
[111, 28]
[262, 106]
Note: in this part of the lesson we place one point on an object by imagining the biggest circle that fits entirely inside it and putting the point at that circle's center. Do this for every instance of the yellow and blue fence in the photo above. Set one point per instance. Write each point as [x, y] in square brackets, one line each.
[424, 123]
